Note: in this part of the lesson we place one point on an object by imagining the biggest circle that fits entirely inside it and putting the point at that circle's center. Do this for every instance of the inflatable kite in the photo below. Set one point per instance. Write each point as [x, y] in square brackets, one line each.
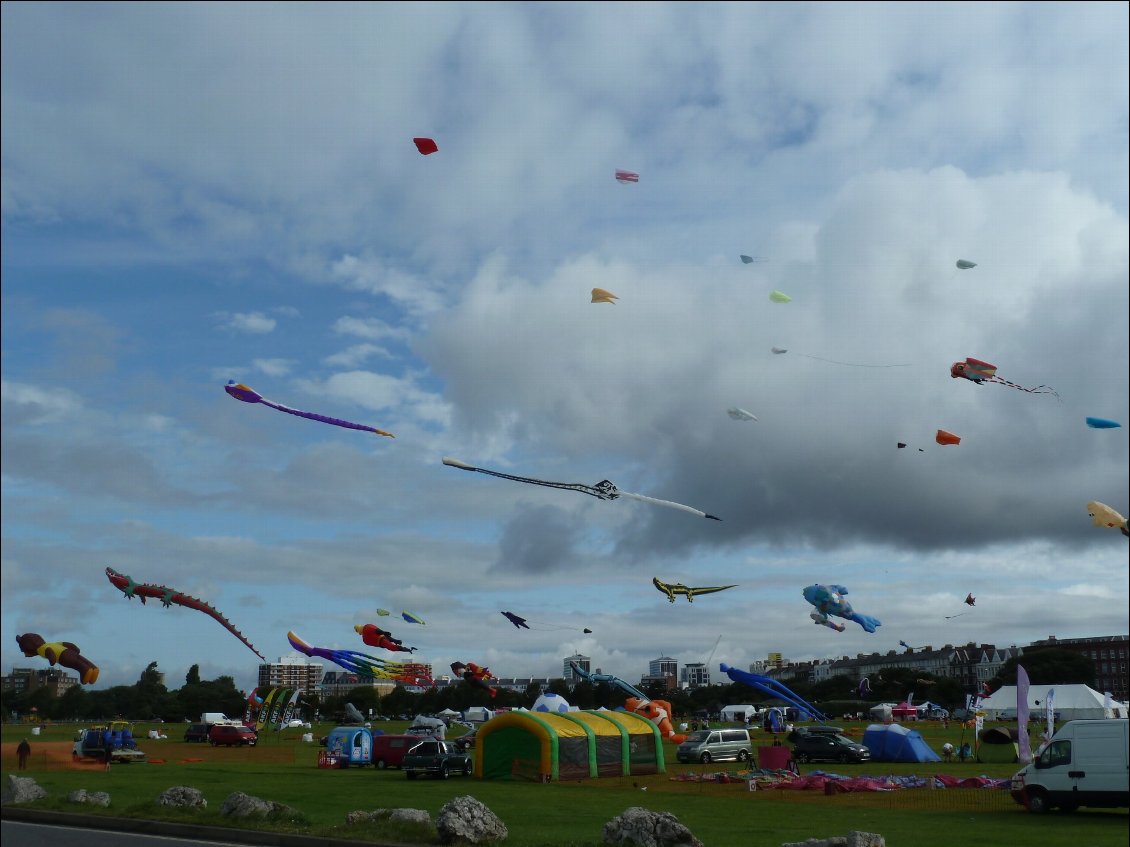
[864, 688]
[411, 618]
[384, 613]
[829, 600]
[170, 597]
[1103, 515]
[671, 589]
[1102, 423]
[62, 653]
[970, 600]
[741, 414]
[603, 490]
[522, 623]
[945, 438]
[771, 687]
[779, 350]
[965, 264]
[980, 372]
[624, 177]
[248, 395]
[518, 622]
[410, 673]
[475, 676]
[659, 712]
[599, 295]
[779, 296]
[374, 636]
[750, 259]
[426, 146]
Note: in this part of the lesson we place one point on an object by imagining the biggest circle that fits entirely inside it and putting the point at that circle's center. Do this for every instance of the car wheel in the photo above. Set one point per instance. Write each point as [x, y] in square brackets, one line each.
[444, 773]
[410, 774]
[845, 759]
[801, 757]
[704, 758]
[743, 755]
[1037, 802]
[380, 764]
[468, 769]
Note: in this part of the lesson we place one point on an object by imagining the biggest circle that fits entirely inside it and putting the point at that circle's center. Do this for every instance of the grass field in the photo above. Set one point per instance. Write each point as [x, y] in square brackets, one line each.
[563, 814]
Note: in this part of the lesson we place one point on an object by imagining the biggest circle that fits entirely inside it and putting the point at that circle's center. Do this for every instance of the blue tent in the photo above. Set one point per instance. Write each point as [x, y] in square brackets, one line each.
[896, 743]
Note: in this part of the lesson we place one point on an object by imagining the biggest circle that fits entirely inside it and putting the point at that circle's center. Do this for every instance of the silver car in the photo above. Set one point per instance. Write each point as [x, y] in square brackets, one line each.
[708, 745]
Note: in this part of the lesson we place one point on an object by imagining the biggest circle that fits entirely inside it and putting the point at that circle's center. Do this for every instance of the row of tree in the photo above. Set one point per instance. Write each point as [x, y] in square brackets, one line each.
[150, 700]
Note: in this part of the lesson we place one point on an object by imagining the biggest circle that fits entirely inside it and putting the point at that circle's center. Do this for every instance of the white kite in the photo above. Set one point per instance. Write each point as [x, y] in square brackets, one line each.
[741, 414]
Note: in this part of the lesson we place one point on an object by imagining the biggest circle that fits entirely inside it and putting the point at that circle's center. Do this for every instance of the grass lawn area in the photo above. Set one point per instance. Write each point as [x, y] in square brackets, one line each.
[562, 814]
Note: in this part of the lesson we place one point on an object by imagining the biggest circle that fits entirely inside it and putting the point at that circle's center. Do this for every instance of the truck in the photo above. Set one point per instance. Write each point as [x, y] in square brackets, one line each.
[112, 744]
[436, 758]
[1084, 764]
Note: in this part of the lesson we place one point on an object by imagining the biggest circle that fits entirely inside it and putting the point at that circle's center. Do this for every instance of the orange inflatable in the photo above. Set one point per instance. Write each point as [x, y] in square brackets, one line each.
[659, 713]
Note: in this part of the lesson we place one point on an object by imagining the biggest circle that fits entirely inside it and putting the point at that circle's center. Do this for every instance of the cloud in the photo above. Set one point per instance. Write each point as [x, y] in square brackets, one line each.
[273, 367]
[255, 323]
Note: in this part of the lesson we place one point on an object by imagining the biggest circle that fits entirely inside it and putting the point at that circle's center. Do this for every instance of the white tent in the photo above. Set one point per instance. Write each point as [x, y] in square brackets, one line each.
[739, 713]
[1070, 702]
[882, 712]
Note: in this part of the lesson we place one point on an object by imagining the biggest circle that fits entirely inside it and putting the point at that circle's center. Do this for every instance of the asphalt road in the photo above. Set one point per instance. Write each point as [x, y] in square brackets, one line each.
[20, 834]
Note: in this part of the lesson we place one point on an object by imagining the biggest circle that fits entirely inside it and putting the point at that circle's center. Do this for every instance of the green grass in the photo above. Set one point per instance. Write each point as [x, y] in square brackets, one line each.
[572, 814]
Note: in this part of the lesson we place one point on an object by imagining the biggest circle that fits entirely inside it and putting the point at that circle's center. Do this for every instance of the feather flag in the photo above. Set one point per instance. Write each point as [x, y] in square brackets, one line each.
[1023, 745]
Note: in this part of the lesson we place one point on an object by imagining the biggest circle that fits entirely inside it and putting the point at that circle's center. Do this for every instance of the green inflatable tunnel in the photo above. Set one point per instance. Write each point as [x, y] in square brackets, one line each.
[546, 746]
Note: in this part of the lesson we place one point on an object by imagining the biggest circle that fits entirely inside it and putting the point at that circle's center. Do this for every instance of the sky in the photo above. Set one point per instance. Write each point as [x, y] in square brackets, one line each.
[197, 193]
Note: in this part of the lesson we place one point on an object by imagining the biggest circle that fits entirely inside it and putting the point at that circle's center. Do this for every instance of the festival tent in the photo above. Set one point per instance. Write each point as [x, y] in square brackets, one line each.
[478, 714]
[1070, 702]
[882, 712]
[904, 712]
[998, 744]
[546, 746]
[895, 743]
[739, 713]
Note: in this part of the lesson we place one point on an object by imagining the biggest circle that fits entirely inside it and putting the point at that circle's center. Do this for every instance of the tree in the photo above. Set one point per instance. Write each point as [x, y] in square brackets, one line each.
[1048, 666]
[193, 676]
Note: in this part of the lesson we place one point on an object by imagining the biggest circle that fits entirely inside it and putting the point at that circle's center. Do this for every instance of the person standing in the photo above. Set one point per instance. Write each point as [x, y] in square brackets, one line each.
[23, 752]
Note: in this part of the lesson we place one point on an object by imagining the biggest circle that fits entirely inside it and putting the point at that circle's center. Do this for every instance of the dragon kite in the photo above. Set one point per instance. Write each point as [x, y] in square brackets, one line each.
[170, 597]
[671, 589]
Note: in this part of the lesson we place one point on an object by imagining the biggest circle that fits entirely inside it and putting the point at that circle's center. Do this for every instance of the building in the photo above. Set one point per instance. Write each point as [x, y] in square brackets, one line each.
[694, 675]
[1108, 652]
[340, 683]
[663, 666]
[26, 680]
[583, 662]
[293, 671]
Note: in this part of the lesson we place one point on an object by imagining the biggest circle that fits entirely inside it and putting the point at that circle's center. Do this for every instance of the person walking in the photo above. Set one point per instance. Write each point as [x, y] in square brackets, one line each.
[23, 752]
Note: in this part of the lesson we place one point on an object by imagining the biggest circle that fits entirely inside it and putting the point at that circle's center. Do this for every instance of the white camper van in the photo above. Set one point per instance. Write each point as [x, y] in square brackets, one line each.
[1084, 764]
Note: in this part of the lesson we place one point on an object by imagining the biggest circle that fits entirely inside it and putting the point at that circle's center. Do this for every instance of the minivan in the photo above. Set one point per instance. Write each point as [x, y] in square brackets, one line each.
[708, 745]
[1084, 764]
[389, 750]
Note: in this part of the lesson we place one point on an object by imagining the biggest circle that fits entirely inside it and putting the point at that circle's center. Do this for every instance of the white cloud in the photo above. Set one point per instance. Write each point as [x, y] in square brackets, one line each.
[255, 323]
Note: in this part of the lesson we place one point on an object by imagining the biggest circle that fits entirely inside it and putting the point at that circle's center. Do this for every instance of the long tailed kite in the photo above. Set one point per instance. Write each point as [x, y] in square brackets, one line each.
[673, 588]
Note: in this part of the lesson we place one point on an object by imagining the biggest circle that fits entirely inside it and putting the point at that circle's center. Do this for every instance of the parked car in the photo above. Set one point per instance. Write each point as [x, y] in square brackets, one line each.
[197, 732]
[708, 745]
[232, 736]
[389, 750]
[437, 758]
[827, 747]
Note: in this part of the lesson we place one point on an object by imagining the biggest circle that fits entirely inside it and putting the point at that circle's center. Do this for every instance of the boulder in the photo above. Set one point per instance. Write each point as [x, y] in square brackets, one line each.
[466, 820]
[183, 796]
[240, 805]
[855, 838]
[21, 789]
[91, 798]
[416, 816]
[639, 827]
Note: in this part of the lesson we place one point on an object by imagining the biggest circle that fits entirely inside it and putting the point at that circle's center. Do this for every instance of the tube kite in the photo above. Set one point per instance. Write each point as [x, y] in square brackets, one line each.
[671, 589]
[410, 673]
[603, 490]
[248, 395]
[1103, 515]
[1102, 423]
[475, 676]
[980, 372]
[829, 600]
[624, 177]
[426, 146]
[773, 688]
[170, 597]
[62, 653]
[411, 618]
[741, 414]
[374, 636]
[599, 295]
[965, 264]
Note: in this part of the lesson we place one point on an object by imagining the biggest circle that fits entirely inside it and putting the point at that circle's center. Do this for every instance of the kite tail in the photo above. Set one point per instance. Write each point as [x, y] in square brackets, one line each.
[313, 416]
[1039, 389]
[868, 623]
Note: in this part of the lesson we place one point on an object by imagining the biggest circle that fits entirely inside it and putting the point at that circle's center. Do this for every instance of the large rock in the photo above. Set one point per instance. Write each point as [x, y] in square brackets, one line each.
[240, 805]
[466, 820]
[21, 789]
[855, 838]
[416, 816]
[639, 827]
[183, 797]
[91, 798]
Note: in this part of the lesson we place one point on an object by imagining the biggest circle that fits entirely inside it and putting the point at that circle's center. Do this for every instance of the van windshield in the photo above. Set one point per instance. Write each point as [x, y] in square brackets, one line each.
[698, 736]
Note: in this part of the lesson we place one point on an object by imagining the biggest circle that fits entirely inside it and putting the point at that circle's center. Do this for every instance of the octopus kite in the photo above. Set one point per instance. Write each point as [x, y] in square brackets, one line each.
[980, 372]
[374, 636]
[472, 674]
[59, 653]
[249, 395]
[170, 597]
[410, 673]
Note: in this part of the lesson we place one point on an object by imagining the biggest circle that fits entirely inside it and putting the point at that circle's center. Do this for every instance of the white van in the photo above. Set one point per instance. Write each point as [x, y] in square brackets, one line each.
[708, 745]
[1084, 764]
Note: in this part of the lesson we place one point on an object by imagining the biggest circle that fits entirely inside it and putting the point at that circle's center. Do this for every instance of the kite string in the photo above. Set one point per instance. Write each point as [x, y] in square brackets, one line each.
[711, 655]
[852, 364]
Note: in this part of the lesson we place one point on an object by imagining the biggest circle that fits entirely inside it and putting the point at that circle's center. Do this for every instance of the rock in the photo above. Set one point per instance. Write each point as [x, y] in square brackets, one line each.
[465, 819]
[358, 817]
[240, 805]
[639, 827]
[77, 796]
[91, 798]
[416, 816]
[420, 816]
[865, 839]
[183, 797]
[21, 789]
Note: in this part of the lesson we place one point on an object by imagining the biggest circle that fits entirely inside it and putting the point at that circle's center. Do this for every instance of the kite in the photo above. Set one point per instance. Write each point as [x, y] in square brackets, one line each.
[907, 646]
[384, 613]
[472, 674]
[970, 600]
[410, 673]
[411, 618]
[779, 296]
[945, 438]
[829, 600]
[248, 395]
[62, 653]
[864, 688]
[603, 490]
[523, 623]
[624, 177]
[426, 146]
[771, 687]
[599, 295]
[741, 415]
[965, 264]
[659, 712]
[671, 589]
[980, 372]
[1104, 515]
[779, 350]
[170, 597]
[902, 445]
[750, 259]
[374, 636]
[1102, 423]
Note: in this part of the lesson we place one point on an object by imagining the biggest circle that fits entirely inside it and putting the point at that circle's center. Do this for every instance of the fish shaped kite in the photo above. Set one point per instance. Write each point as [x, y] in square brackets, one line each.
[970, 600]
[170, 597]
[671, 589]
[624, 177]
[410, 673]
[599, 295]
[1103, 515]
[965, 264]
[374, 636]
[426, 146]
[248, 395]
[62, 653]
[603, 490]
[522, 623]
[741, 414]
[1102, 423]
[980, 372]
[829, 600]
[779, 296]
